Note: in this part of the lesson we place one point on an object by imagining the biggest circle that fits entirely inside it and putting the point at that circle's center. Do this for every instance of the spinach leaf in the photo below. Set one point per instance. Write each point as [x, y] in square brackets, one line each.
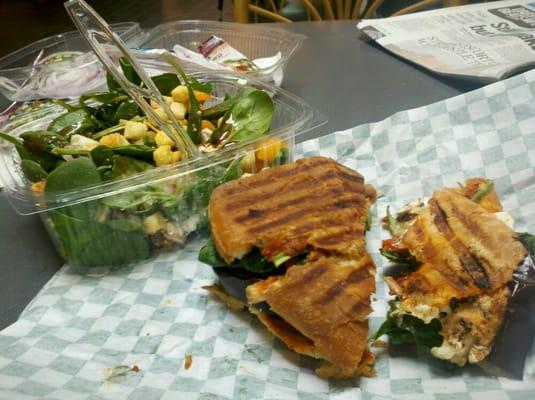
[406, 328]
[74, 122]
[135, 151]
[126, 224]
[252, 115]
[217, 111]
[528, 240]
[232, 172]
[256, 262]
[46, 160]
[209, 255]
[253, 261]
[10, 139]
[102, 97]
[33, 171]
[42, 141]
[102, 155]
[397, 258]
[113, 85]
[109, 247]
[128, 109]
[166, 83]
[129, 71]
[142, 201]
[125, 166]
[73, 174]
[84, 242]
[205, 87]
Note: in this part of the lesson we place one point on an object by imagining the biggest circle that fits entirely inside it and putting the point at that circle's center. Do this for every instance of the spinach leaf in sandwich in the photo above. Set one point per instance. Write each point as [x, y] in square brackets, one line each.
[528, 240]
[404, 328]
[253, 261]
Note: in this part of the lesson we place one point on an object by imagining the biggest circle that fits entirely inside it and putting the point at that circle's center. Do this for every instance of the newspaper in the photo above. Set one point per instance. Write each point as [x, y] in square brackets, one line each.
[485, 42]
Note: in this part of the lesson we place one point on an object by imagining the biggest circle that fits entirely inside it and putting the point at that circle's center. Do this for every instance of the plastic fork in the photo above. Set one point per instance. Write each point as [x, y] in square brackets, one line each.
[98, 34]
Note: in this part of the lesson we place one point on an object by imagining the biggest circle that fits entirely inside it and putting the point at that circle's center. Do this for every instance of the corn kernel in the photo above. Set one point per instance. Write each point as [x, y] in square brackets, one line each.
[162, 139]
[135, 130]
[161, 113]
[113, 140]
[180, 94]
[178, 110]
[163, 155]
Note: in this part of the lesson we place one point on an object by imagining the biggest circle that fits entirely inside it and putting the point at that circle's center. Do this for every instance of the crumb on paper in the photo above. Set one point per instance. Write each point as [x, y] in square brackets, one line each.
[380, 344]
[188, 360]
[220, 293]
[119, 373]
[115, 374]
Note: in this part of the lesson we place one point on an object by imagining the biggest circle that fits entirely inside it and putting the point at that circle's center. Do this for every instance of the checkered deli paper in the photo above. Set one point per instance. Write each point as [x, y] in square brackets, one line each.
[131, 333]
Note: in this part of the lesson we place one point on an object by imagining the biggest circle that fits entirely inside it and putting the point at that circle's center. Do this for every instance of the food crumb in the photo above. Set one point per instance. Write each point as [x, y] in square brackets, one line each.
[188, 361]
[147, 334]
[135, 368]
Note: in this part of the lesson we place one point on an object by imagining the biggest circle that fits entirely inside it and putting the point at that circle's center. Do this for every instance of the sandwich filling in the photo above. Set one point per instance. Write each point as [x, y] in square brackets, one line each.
[460, 253]
[295, 234]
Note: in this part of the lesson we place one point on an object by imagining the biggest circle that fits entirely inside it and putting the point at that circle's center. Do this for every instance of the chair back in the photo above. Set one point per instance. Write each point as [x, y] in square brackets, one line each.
[318, 10]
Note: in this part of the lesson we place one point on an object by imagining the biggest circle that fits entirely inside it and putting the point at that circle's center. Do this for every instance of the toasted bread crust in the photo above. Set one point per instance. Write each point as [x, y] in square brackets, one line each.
[313, 202]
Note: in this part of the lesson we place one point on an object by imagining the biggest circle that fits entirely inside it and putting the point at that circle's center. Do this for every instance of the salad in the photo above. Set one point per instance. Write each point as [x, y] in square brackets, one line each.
[106, 137]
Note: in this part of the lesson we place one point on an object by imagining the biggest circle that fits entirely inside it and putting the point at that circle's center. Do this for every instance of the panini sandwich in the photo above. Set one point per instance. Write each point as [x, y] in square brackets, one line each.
[294, 236]
[460, 254]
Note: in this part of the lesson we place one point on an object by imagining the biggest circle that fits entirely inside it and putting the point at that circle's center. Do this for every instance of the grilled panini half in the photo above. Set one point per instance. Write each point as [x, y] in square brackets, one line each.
[465, 256]
[316, 207]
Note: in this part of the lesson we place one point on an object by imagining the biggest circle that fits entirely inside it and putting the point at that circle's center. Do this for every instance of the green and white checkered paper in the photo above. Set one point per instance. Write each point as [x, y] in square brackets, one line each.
[81, 335]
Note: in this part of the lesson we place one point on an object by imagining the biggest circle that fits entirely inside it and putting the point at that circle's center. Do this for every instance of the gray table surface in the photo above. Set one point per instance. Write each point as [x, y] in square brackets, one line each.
[337, 71]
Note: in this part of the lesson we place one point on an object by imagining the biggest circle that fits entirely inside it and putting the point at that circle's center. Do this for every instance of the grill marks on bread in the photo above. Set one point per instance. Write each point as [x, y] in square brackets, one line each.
[321, 307]
[328, 301]
[463, 251]
[316, 200]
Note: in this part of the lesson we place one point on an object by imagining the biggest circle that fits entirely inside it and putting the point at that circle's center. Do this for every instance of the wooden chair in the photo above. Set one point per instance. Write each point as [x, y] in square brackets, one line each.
[332, 9]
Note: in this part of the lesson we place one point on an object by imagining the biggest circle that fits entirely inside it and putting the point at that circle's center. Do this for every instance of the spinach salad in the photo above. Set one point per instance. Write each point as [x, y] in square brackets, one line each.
[106, 137]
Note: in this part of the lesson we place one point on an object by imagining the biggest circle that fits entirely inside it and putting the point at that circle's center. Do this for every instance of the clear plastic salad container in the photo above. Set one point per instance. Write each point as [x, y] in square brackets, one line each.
[260, 42]
[123, 221]
[58, 66]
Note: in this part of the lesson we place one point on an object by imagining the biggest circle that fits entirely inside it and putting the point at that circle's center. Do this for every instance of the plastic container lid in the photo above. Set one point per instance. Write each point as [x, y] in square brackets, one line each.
[54, 66]
[292, 118]
[260, 42]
